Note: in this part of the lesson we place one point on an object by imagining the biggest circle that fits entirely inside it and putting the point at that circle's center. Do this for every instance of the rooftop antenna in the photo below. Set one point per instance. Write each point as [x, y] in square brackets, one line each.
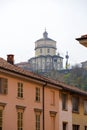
[67, 57]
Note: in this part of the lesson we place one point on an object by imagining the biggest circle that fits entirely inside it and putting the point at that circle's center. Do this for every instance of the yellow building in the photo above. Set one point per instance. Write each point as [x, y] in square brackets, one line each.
[79, 112]
[79, 116]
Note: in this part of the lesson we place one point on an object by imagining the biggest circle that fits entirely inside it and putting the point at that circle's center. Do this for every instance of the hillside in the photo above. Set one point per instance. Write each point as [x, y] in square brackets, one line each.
[75, 77]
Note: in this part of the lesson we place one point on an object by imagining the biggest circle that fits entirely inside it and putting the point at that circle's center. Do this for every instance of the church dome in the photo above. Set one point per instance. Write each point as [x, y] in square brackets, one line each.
[45, 37]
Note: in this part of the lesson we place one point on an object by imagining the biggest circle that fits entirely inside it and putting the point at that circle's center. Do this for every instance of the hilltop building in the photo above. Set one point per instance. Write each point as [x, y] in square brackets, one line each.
[45, 58]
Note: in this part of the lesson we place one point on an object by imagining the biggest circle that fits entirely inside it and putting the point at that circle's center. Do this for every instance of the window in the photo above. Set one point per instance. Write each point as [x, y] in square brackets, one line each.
[76, 127]
[37, 94]
[64, 126]
[53, 118]
[37, 121]
[85, 127]
[2, 105]
[20, 112]
[41, 50]
[20, 120]
[64, 101]
[48, 50]
[52, 122]
[1, 117]
[3, 86]
[75, 104]
[85, 107]
[20, 90]
[37, 118]
[55, 60]
[52, 98]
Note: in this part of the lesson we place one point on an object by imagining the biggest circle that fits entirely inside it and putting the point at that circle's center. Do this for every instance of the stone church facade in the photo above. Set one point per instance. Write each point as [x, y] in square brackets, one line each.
[45, 58]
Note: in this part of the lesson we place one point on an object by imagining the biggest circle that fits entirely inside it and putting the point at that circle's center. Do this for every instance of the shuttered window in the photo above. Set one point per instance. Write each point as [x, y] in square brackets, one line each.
[3, 86]
[1, 118]
[75, 104]
[20, 90]
[85, 107]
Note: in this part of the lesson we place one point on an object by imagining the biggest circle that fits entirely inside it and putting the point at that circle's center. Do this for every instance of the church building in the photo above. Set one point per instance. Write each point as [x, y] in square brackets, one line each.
[45, 58]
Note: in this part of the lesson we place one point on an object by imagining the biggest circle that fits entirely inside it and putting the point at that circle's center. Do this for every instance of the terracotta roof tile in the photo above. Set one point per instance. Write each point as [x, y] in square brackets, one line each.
[15, 69]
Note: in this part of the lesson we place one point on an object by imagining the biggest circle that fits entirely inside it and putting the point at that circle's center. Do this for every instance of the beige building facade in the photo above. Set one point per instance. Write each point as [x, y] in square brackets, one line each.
[46, 59]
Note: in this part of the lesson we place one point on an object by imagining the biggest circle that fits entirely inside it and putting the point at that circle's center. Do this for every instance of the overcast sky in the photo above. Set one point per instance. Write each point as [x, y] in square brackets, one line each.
[22, 22]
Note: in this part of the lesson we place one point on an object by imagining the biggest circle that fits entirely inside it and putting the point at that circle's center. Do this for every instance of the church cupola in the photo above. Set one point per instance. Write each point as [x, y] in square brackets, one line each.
[45, 35]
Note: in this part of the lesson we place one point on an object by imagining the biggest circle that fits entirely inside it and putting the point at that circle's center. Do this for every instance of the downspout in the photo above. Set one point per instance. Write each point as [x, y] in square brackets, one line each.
[44, 106]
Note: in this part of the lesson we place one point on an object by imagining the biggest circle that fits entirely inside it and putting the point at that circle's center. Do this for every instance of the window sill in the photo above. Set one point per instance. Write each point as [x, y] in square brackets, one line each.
[4, 94]
[65, 109]
[52, 104]
[37, 101]
[20, 98]
[77, 112]
[85, 113]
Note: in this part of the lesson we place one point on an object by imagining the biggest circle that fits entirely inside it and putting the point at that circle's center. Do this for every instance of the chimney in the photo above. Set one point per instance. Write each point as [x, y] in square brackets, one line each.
[10, 59]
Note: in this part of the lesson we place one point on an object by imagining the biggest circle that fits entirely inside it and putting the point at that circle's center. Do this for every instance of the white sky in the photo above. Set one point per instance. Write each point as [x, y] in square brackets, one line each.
[22, 22]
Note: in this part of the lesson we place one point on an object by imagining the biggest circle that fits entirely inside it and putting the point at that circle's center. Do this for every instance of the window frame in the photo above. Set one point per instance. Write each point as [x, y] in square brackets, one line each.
[48, 50]
[40, 50]
[20, 116]
[37, 98]
[3, 86]
[20, 120]
[64, 97]
[64, 125]
[85, 107]
[75, 104]
[52, 97]
[20, 90]
[37, 116]
[1, 119]
[75, 127]
[2, 105]
[53, 119]
[85, 127]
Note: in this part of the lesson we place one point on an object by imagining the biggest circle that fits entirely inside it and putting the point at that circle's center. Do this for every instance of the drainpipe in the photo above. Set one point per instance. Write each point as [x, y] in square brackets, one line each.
[44, 106]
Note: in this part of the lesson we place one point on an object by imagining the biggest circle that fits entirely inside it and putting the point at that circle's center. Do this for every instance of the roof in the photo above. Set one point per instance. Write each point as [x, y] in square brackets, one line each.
[45, 39]
[83, 40]
[82, 37]
[54, 56]
[7, 67]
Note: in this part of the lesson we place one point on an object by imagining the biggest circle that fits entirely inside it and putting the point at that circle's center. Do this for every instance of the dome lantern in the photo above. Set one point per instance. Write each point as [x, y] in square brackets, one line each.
[45, 35]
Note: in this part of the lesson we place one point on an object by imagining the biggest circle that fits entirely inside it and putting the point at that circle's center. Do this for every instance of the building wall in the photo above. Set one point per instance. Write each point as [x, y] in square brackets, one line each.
[51, 108]
[29, 104]
[80, 118]
[28, 101]
[44, 45]
[44, 51]
[54, 116]
[84, 65]
[65, 115]
[47, 63]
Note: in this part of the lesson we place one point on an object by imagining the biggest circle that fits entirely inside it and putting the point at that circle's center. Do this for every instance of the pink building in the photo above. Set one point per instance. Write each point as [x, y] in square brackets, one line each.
[32, 102]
